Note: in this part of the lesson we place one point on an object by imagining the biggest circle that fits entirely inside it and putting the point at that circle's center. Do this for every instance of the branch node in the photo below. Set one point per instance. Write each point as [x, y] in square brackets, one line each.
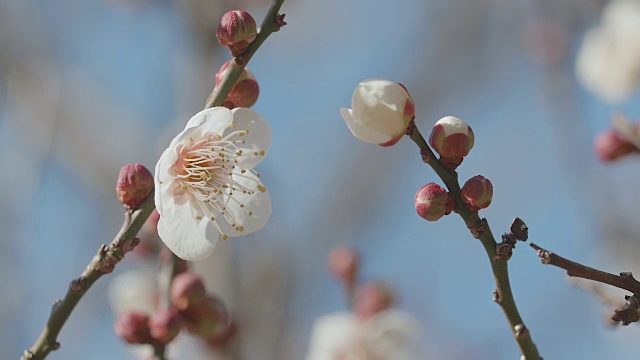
[521, 331]
[478, 227]
[504, 250]
[77, 284]
[496, 297]
[279, 22]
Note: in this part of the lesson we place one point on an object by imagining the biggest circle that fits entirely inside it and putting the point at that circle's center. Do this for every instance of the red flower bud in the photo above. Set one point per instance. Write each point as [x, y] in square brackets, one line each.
[133, 327]
[165, 325]
[477, 193]
[187, 289]
[343, 264]
[134, 184]
[609, 146]
[371, 298]
[237, 30]
[431, 202]
[452, 138]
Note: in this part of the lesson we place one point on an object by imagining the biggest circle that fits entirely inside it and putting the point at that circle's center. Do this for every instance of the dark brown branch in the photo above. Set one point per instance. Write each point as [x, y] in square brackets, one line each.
[624, 281]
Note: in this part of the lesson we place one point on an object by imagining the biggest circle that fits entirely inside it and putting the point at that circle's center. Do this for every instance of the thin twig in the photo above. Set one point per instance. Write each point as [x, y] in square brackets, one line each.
[480, 230]
[102, 263]
[623, 281]
[108, 256]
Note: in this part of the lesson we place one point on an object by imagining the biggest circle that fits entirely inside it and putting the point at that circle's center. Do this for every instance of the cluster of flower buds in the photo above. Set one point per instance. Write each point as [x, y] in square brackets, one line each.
[236, 31]
[244, 92]
[452, 139]
[204, 315]
[134, 184]
[136, 327]
[191, 308]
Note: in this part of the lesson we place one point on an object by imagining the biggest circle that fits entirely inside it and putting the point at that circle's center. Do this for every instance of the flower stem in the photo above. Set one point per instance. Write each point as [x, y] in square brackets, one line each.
[480, 229]
[108, 256]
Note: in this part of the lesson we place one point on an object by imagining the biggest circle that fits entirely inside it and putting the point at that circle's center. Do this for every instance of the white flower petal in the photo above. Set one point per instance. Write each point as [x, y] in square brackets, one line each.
[361, 131]
[248, 211]
[164, 179]
[257, 141]
[215, 120]
[379, 104]
[330, 334]
[188, 238]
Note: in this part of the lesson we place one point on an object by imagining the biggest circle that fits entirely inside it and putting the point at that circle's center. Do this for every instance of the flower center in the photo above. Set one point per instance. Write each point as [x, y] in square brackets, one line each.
[208, 170]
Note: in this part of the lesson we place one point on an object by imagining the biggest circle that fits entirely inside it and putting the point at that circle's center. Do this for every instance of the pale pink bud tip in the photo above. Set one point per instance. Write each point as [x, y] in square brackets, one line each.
[134, 184]
[165, 325]
[371, 298]
[452, 138]
[477, 193]
[187, 289]
[431, 202]
[343, 264]
[609, 146]
[237, 30]
[133, 327]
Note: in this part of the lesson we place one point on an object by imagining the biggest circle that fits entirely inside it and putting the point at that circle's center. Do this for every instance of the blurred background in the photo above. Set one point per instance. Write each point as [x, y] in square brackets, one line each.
[87, 87]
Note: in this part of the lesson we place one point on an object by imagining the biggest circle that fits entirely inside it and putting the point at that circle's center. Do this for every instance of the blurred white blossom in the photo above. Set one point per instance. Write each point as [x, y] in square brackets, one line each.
[608, 62]
[388, 335]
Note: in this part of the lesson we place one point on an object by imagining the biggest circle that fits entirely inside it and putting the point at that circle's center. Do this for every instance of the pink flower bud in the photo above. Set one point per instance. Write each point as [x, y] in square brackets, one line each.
[133, 327]
[452, 138]
[477, 193]
[431, 202]
[609, 146]
[187, 289]
[165, 325]
[134, 184]
[207, 319]
[343, 264]
[244, 92]
[371, 298]
[237, 30]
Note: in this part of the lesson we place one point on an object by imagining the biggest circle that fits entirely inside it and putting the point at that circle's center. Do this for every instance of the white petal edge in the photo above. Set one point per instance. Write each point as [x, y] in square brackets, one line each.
[258, 139]
[215, 120]
[188, 238]
[361, 131]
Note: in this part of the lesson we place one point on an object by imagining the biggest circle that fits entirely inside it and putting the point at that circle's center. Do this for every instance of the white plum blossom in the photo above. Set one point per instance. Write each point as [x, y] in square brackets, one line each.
[387, 335]
[381, 111]
[206, 185]
[608, 62]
